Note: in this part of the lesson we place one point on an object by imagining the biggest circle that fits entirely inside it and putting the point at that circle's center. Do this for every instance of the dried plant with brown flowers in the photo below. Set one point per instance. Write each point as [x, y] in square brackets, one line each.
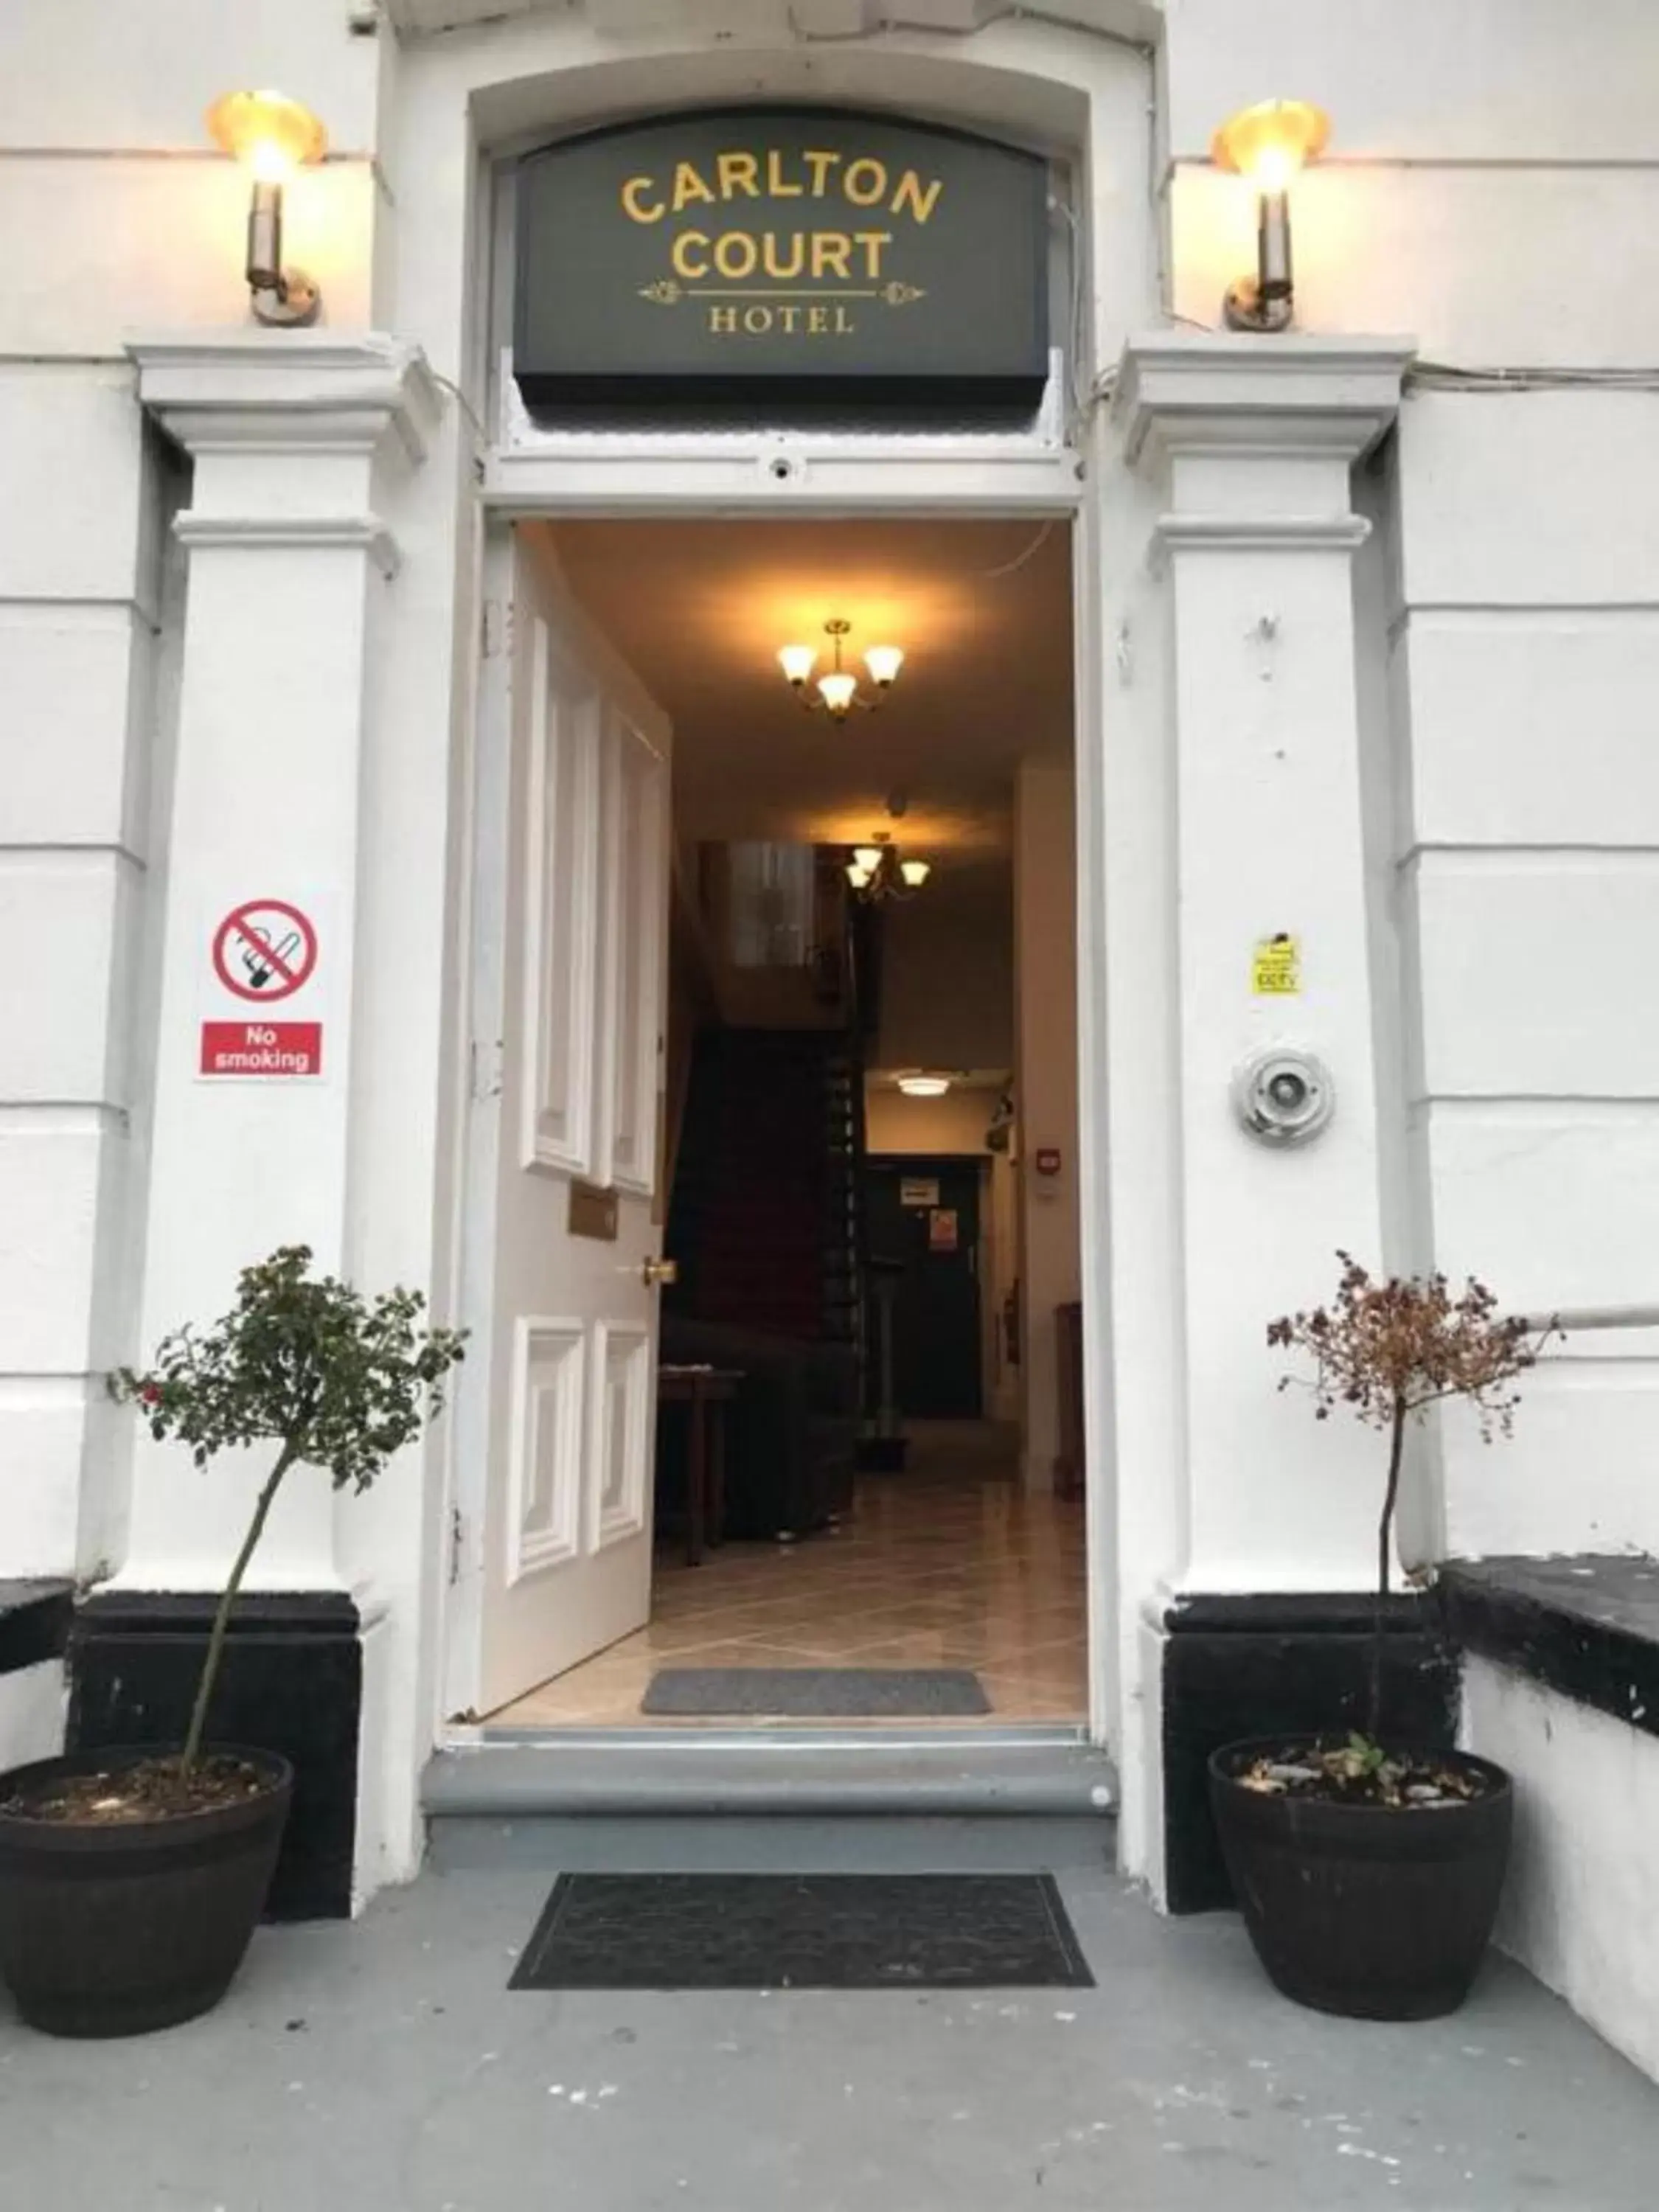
[1387, 1350]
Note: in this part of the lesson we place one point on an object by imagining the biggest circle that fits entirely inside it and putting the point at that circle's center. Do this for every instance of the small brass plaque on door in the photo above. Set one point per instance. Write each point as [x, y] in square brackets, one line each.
[593, 1211]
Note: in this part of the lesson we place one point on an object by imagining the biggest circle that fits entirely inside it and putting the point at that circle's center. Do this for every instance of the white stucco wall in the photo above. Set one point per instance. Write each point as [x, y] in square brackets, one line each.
[1581, 1907]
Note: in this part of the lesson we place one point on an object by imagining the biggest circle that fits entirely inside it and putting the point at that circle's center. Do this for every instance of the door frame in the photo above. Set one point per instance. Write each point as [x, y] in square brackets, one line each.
[807, 478]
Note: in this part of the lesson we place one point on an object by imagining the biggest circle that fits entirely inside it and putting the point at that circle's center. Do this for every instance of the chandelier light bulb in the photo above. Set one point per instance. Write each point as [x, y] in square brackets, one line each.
[884, 663]
[797, 662]
[868, 857]
[836, 689]
[915, 872]
[858, 875]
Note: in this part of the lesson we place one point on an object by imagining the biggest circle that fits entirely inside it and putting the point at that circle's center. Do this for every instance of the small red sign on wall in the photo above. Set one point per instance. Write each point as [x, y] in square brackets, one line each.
[262, 1049]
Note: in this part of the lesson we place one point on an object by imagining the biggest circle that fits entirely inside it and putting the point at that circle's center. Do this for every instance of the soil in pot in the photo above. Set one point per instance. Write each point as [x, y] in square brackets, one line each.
[128, 1894]
[1368, 1888]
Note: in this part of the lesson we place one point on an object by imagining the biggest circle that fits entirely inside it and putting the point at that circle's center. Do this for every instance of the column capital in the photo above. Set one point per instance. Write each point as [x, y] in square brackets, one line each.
[1203, 392]
[292, 392]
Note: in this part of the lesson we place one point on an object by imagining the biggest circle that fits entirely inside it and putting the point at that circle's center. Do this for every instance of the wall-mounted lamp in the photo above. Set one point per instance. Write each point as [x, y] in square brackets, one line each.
[271, 135]
[1268, 145]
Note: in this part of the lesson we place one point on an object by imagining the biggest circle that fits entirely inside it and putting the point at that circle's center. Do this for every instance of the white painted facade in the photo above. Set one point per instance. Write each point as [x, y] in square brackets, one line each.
[1367, 651]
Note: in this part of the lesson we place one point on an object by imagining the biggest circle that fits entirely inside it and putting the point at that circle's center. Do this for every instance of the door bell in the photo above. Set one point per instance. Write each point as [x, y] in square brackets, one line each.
[1284, 1096]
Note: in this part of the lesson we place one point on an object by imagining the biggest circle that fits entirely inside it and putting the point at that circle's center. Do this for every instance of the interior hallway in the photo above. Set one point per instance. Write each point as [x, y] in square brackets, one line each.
[947, 1565]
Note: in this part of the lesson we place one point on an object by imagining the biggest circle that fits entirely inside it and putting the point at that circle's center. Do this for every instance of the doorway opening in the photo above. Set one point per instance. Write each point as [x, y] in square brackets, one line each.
[784, 1327]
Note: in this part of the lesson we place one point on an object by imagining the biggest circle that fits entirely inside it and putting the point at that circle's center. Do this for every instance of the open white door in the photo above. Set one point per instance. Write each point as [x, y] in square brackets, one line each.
[571, 1116]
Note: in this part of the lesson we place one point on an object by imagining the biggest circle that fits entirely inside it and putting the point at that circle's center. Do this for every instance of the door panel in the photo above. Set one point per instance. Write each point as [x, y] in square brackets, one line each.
[924, 1216]
[566, 1535]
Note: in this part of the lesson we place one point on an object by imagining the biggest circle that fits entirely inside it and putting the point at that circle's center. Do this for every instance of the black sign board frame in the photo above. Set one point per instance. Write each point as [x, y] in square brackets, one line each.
[782, 264]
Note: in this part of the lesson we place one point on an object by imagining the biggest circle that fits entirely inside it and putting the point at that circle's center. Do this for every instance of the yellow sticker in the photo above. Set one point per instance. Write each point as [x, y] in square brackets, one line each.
[1276, 967]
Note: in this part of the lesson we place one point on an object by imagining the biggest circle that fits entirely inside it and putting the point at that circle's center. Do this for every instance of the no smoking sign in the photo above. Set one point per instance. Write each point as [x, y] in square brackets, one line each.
[264, 952]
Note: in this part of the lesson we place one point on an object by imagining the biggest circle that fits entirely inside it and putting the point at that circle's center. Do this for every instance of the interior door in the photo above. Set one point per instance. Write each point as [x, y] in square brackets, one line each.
[574, 1110]
[923, 1218]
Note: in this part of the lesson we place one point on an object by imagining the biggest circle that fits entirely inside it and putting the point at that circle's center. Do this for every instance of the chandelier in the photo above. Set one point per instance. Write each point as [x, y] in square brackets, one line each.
[836, 690]
[879, 871]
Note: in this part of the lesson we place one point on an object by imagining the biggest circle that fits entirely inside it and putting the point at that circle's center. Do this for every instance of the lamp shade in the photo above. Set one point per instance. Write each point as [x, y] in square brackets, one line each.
[1270, 141]
[884, 663]
[915, 872]
[836, 689]
[868, 857]
[269, 132]
[796, 661]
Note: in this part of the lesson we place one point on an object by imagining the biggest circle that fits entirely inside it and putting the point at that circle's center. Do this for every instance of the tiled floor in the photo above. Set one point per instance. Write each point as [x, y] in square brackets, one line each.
[948, 1565]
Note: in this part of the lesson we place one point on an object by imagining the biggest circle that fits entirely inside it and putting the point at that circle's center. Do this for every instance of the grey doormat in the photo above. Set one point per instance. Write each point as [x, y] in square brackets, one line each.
[819, 1932]
[817, 1692]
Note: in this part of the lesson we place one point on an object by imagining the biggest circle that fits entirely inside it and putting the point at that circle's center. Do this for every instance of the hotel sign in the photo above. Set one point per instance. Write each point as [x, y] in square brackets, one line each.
[729, 264]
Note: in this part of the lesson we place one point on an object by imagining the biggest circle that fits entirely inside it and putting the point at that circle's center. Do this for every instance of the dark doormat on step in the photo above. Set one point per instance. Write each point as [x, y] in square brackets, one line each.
[814, 1932]
[852, 1693]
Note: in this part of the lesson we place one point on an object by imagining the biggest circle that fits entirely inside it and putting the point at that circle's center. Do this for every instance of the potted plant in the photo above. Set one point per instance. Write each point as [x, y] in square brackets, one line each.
[1369, 1871]
[130, 1881]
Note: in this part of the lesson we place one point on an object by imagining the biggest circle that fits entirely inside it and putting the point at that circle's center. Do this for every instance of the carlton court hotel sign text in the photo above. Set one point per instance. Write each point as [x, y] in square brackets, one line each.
[794, 255]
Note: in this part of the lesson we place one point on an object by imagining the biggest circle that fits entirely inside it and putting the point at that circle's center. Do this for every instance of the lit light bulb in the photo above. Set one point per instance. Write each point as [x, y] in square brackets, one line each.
[924, 1086]
[915, 872]
[270, 133]
[797, 662]
[836, 689]
[868, 857]
[857, 876]
[1269, 142]
[884, 663]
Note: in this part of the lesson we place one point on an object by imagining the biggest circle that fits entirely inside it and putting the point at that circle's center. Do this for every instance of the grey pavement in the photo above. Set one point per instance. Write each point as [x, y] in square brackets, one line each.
[386, 2067]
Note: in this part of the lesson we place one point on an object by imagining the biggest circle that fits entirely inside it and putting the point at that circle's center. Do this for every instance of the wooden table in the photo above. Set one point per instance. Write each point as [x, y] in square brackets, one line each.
[705, 1392]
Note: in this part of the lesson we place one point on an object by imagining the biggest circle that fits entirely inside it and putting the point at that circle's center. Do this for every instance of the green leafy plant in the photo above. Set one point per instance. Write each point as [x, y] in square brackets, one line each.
[333, 1379]
[1386, 1350]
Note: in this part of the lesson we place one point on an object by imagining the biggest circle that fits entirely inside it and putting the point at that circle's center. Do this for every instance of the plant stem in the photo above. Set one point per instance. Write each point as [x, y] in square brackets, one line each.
[1384, 1540]
[204, 1687]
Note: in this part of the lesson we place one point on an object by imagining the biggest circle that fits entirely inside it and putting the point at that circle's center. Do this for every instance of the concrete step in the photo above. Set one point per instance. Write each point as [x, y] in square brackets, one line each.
[661, 1774]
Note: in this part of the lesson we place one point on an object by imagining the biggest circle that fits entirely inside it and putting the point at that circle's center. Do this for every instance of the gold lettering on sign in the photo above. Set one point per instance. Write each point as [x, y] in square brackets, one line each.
[736, 253]
[872, 182]
[921, 202]
[633, 200]
[737, 173]
[820, 164]
[767, 272]
[772, 261]
[873, 241]
[775, 187]
[689, 186]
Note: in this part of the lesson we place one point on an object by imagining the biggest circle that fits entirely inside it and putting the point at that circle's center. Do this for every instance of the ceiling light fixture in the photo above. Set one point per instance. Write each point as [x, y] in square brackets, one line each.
[271, 135]
[923, 1086]
[1268, 145]
[879, 871]
[836, 692]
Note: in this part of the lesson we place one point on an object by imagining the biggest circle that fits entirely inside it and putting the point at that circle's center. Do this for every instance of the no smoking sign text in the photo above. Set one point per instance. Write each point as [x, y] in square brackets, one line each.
[264, 952]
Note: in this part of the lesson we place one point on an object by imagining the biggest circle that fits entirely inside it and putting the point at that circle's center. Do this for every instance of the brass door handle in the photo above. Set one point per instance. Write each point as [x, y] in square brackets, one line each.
[660, 1272]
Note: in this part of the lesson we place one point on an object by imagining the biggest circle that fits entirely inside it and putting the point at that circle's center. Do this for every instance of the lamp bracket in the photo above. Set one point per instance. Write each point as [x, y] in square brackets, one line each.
[1246, 307]
[292, 305]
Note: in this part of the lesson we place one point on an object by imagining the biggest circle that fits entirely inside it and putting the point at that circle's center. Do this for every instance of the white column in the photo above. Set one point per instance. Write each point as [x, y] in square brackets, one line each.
[1252, 442]
[295, 440]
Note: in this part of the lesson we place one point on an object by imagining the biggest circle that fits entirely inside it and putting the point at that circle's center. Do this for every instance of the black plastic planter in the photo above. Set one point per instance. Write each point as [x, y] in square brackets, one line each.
[1372, 1912]
[117, 1931]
